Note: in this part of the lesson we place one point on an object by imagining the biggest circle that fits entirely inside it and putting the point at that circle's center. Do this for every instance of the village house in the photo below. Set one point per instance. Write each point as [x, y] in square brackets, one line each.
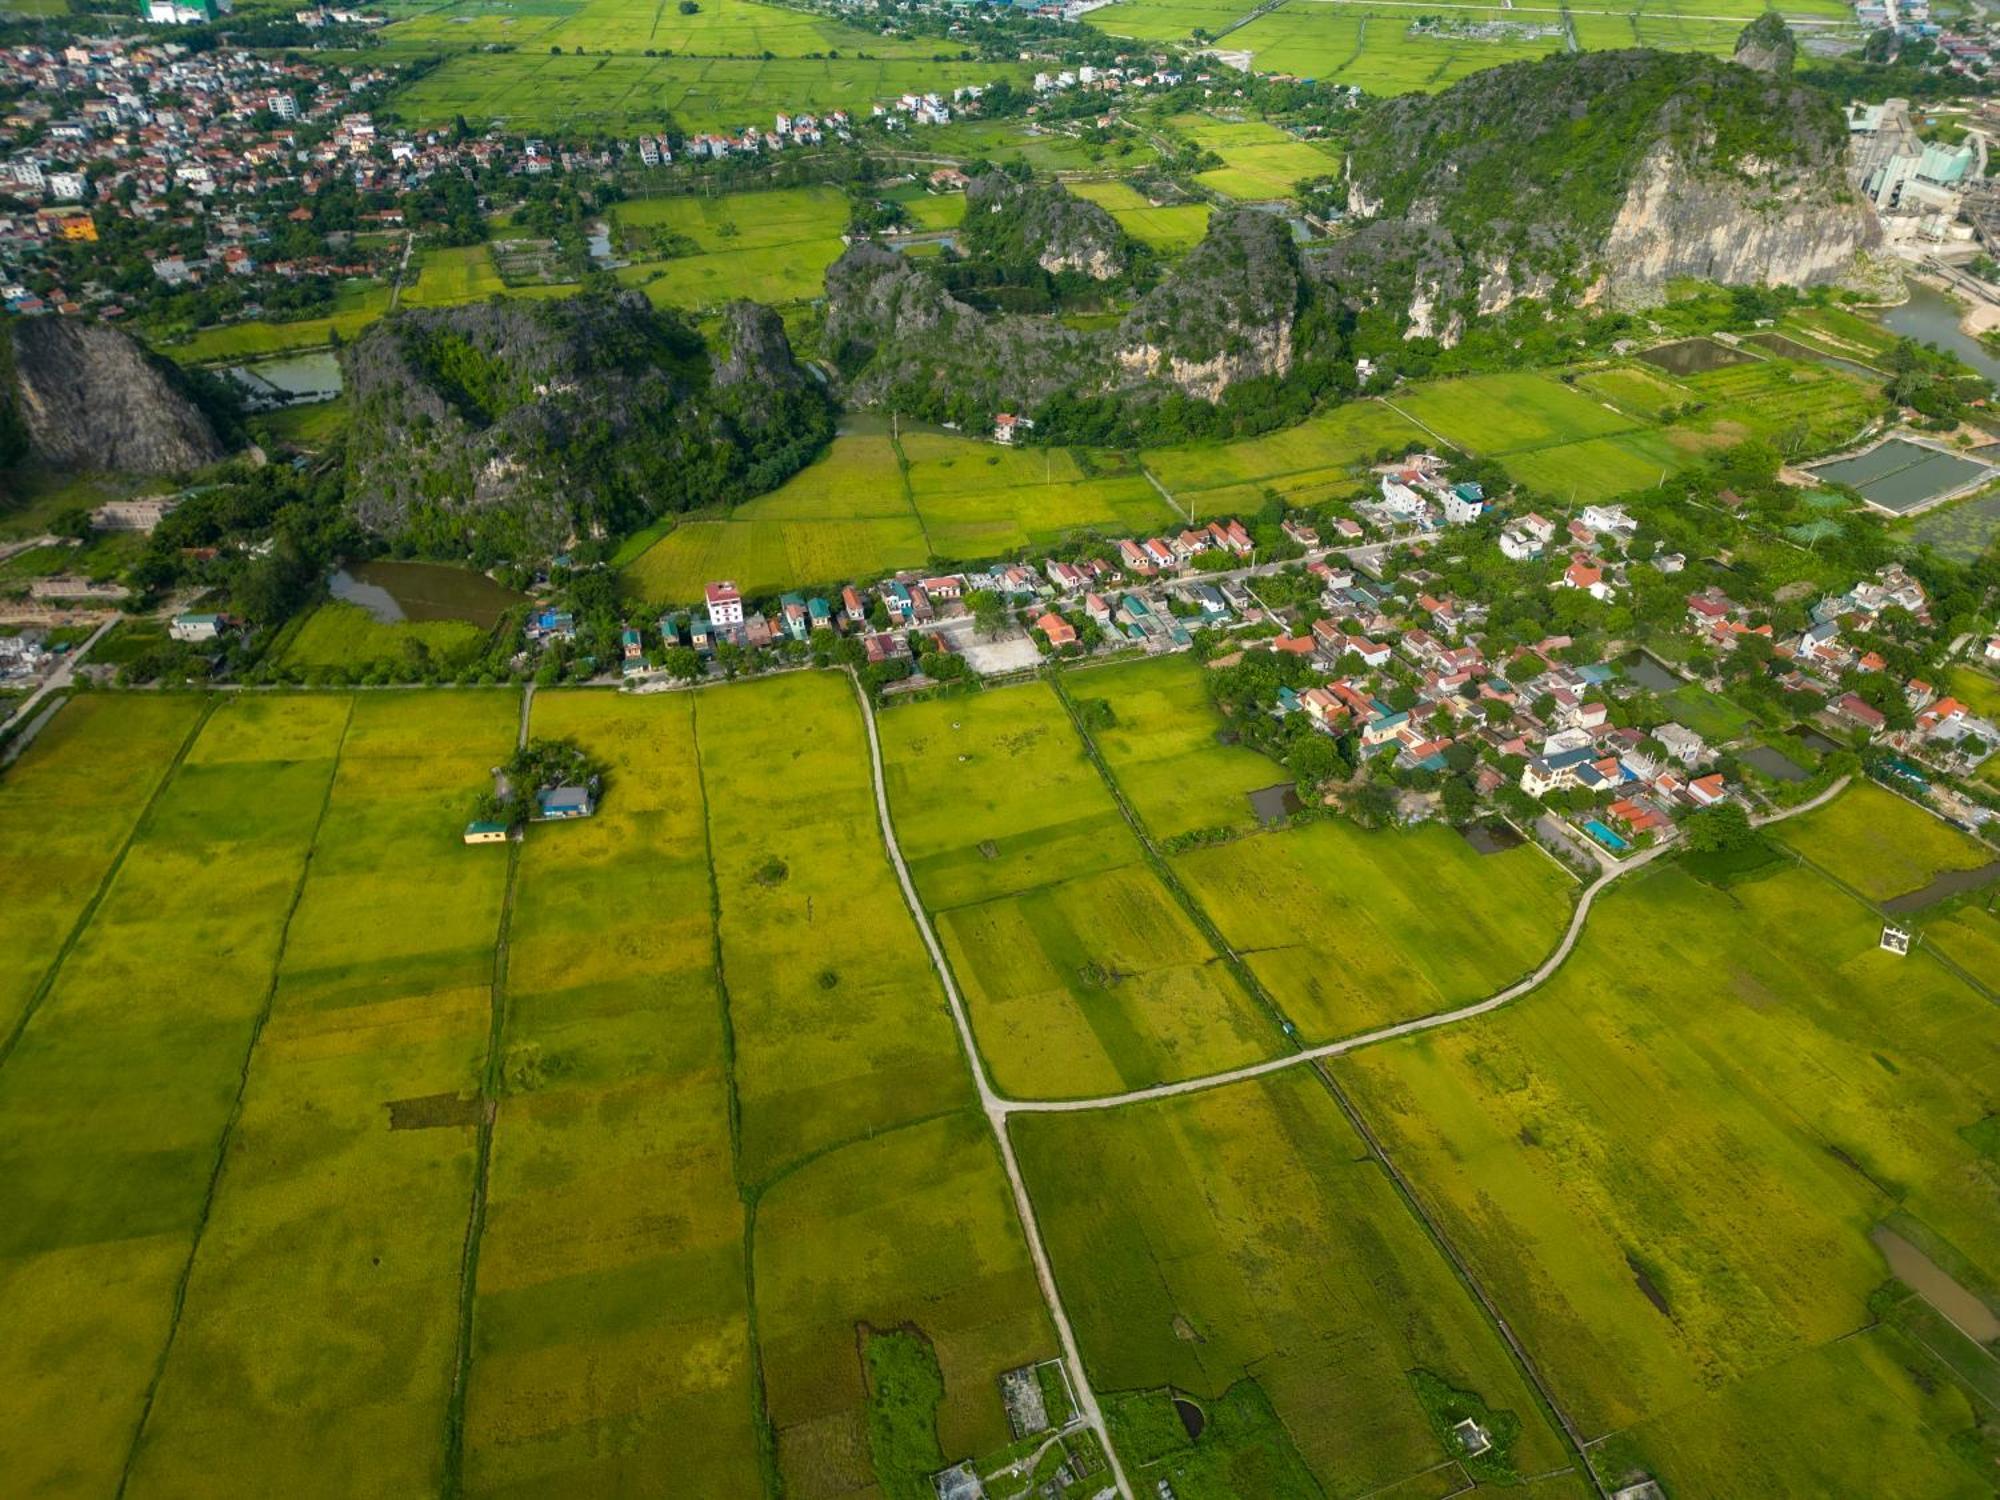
[725, 605]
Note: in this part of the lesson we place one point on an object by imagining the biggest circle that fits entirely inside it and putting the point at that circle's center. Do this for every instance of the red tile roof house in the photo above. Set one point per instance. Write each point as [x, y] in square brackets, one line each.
[1707, 790]
[1134, 557]
[1295, 645]
[1059, 631]
[1857, 709]
[1159, 553]
[851, 602]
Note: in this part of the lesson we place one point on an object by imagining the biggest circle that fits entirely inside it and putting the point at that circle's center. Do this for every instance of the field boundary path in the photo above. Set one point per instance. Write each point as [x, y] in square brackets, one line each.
[1492, 1002]
[996, 1108]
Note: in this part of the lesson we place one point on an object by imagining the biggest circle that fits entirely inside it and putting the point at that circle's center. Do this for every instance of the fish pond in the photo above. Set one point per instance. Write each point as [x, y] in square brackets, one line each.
[1696, 356]
[396, 591]
[1900, 476]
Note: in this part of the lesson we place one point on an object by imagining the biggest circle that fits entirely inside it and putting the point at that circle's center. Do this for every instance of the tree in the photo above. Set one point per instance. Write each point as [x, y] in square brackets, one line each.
[689, 7]
[989, 612]
[1719, 829]
[683, 662]
[1372, 804]
[74, 523]
[1461, 802]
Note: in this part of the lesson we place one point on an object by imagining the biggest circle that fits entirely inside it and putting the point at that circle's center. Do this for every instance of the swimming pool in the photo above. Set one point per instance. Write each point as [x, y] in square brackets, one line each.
[1606, 837]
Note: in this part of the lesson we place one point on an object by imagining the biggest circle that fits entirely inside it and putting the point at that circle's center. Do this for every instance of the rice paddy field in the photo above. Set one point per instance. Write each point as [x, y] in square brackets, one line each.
[448, 276]
[1326, 454]
[1168, 750]
[1665, 1165]
[772, 246]
[1171, 228]
[1260, 161]
[101, 761]
[1239, 1247]
[620, 93]
[339, 1147]
[356, 305]
[1082, 972]
[720, 28]
[871, 505]
[343, 636]
[1881, 844]
[1348, 930]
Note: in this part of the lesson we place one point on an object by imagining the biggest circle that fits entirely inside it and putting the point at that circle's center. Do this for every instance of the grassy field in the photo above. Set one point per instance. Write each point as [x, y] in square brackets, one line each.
[1239, 1240]
[1259, 161]
[320, 1328]
[356, 305]
[977, 500]
[1381, 49]
[1349, 930]
[1493, 415]
[446, 277]
[345, 636]
[611, 1270]
[1329, 450]
[98, 761]
[720, 28]
[1082, 972]
[115, 1104]
[1664, 1166]
[839, 1022]
[912, 1229]
[1171, 228]
[1880, 844]
[772, 246]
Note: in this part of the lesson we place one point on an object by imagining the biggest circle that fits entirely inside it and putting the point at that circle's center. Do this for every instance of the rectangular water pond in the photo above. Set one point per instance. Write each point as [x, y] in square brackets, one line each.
[1696, 356]
[1901, 476]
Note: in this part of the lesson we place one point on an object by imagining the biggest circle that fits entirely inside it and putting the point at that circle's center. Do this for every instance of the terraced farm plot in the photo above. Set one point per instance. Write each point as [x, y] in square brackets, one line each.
[914, 1228]
[100, 760]
[1082, 972]
[1259, 161]
[1166, 747]
[1349, 930]
[1642, 392]
[1664, 1166]
[1239, 1247]
[839, 1022]
[1880, 844]
[1332, 447]
[611, 1269]
[1777, 399]
[116, 1100]
[320, 1329]
[1169, 227]
[531, 91]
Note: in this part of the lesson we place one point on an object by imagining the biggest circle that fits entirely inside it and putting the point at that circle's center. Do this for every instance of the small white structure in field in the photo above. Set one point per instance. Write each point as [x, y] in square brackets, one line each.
[1472, 1438]
[1895, 939]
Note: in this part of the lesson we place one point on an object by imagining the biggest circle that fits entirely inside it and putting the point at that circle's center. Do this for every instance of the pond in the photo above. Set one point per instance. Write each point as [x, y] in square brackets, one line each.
[1930, 1281]
[396, 591]
[1647, 672]
[1813, 740]
[1950, 883]
[1786, 348]
[290, 379]
[1901, 476]
[1193, 1418]
[1930, 317]
[1696, 356]
[1772, 763]
[1491, 836]
[1274, 804]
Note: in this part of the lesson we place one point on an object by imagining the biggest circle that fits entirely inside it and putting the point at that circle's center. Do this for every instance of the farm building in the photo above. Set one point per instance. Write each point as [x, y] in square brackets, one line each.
[555, 803]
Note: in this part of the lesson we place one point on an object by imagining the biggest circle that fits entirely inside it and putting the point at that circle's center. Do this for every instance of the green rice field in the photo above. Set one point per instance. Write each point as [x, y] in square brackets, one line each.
[1169, 227]
[345, 637]
[1881, 844]
[771, 246]
[1328, 453]
[1260, 161]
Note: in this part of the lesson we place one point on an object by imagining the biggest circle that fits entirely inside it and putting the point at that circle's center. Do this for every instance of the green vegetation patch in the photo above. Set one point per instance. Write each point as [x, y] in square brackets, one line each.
[905, 1387]
[344, 636]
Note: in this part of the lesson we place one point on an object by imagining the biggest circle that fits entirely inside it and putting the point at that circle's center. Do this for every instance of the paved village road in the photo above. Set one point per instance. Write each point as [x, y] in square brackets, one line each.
[1493, 1002]
[996, 1108]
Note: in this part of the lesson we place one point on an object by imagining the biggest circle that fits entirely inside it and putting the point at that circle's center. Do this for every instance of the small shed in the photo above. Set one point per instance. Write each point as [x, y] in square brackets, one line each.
[485, 831]
[1473, 1439]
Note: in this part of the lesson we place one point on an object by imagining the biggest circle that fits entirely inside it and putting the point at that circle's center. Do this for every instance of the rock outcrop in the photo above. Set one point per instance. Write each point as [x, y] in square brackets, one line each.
[88, 397]
[1767, 46]
[511, 427]
[1592, 175]
[1224, 314]
[1016, 222]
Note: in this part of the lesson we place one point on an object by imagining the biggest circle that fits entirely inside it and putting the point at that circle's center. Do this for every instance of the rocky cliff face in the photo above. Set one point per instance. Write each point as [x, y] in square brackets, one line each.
[1767, 45]
[1226, 313]
[1597, 174]
[1038, 221]
[512, 427]
[89, 397]
[898, 337]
